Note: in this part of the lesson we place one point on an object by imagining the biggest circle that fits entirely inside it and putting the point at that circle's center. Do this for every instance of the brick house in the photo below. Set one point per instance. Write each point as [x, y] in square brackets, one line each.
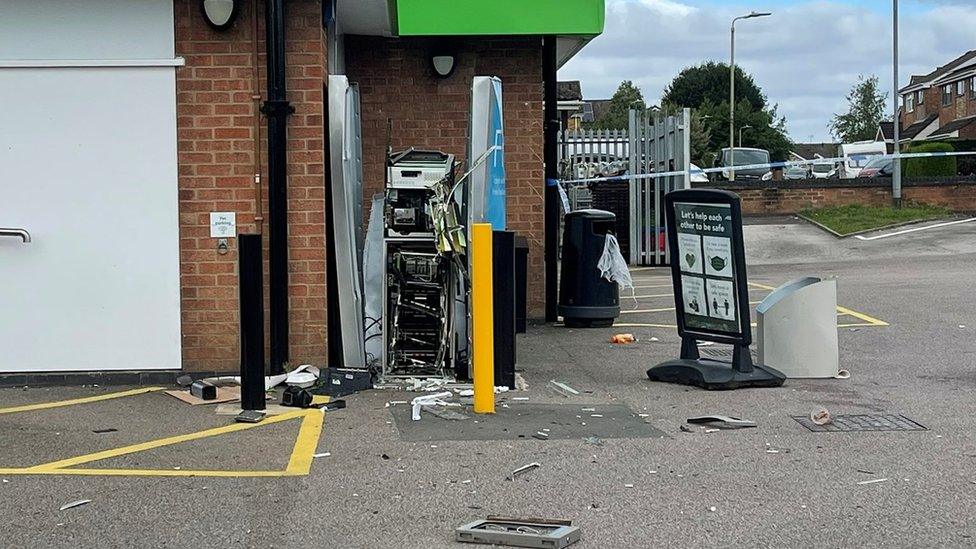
[938, 105]
[124, 148]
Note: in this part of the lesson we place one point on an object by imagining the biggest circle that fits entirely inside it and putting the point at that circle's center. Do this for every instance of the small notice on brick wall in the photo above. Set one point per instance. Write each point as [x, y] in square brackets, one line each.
[223, 224]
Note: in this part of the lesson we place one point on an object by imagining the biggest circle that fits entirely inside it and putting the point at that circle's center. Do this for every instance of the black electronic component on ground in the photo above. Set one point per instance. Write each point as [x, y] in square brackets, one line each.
[204, 390]
[586, 299]
[296, 397]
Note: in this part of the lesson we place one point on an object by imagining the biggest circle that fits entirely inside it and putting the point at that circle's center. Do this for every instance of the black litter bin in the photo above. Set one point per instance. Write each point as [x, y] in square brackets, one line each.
[586, 299]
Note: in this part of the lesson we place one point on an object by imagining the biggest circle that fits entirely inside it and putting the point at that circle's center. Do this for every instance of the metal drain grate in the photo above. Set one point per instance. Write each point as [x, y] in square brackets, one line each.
[859, 423]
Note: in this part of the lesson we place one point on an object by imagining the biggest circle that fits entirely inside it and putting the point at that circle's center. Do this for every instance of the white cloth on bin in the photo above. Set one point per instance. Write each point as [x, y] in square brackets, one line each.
[612, 265]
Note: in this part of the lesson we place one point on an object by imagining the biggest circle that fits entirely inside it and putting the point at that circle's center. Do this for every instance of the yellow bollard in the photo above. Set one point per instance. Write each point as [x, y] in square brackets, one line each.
[482, 319]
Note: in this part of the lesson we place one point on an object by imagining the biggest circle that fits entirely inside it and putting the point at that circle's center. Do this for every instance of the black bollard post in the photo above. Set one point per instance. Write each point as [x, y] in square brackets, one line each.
[251, 282]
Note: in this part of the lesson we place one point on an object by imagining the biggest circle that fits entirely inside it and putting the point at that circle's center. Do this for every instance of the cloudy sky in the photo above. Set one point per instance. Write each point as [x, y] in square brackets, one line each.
[805, 57]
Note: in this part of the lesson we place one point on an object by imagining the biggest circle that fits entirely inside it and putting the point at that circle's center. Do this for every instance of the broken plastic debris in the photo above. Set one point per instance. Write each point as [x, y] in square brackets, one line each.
[713, 509]
[420, 401]
[562, 388]
[523, 469]
[821, 417]
[725, 422]
[623, 338]
[596, 441]
[322, 455]
[873, 481]
[628, 485]
[843, 374]
[712, 430]
[541, 436]
[74, 504]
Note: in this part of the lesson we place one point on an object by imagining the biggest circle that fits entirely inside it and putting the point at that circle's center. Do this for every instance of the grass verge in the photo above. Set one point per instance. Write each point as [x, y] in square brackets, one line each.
[856, 218]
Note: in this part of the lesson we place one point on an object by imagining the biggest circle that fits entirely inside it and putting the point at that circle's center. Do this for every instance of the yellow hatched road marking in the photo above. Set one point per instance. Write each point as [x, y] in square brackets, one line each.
[74, 401]
[299, 462]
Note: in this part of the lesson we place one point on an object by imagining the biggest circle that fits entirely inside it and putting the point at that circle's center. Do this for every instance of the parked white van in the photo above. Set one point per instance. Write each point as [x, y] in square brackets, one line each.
[856, 155]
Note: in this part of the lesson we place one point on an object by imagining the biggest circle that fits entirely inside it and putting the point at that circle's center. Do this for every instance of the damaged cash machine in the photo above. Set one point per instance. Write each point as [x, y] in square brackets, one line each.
[403, 291]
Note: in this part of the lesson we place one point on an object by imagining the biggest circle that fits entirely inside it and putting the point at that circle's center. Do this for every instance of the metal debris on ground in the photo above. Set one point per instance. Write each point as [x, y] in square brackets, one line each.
[562, 388]
[516, 532]
[74, 504]
[872, 481]
[623, 338]
[523, 469]
[722, 422]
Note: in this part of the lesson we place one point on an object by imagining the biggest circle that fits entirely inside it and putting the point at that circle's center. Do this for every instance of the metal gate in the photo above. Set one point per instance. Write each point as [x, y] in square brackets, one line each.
[656, 142]
[659, 145]
[585, 154]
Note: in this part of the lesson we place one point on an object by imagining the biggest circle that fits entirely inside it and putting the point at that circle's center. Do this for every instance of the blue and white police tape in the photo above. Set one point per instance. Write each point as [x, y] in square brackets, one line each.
[768, 166]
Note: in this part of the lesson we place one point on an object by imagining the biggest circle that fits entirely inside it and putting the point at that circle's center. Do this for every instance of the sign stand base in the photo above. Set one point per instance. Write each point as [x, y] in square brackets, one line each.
[715, 375]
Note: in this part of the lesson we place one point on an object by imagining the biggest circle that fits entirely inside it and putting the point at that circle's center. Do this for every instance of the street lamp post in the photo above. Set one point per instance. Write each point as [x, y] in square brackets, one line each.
[746, 127]
[732, 92]
[896, 162]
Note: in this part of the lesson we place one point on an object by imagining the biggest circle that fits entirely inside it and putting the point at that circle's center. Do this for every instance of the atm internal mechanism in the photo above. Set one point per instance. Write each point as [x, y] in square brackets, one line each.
[421, 281]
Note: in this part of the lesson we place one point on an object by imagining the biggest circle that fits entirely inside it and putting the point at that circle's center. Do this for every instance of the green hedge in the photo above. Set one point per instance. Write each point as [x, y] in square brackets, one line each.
[929, 167]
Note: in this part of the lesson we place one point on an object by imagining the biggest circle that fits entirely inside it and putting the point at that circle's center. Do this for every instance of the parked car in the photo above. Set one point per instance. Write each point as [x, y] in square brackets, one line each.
[743, 157]
[877, 167]
[824, 170]
[796, 172]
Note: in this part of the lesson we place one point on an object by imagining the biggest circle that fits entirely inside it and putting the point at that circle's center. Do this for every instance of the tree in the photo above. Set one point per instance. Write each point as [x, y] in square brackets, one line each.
[866, 106]
[710, 82]
[626, 97]
[705, 89]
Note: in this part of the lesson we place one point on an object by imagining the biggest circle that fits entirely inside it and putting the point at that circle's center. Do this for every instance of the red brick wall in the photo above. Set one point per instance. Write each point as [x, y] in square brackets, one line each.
[788, 201]
[396, 82]
[216, 157]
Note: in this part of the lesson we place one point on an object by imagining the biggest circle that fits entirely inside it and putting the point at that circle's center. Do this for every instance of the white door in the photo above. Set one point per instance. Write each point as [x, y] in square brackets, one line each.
[88, 168]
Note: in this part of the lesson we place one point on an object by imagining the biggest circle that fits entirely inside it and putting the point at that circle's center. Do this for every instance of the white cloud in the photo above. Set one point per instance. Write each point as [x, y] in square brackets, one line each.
[805, 57]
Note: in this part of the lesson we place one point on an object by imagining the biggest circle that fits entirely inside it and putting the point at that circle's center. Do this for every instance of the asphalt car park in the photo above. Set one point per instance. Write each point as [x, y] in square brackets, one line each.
[778, 485]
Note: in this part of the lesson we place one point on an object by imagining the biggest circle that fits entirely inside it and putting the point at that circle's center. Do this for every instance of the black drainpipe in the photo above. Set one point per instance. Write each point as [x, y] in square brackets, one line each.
[277, 109]
[550, 131]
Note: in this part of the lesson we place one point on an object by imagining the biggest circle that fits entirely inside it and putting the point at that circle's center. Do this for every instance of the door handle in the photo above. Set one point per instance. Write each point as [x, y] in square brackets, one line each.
[22, 233]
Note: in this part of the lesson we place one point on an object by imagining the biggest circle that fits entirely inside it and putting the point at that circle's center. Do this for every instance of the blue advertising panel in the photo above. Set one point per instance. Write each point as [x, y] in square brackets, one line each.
[495, 211]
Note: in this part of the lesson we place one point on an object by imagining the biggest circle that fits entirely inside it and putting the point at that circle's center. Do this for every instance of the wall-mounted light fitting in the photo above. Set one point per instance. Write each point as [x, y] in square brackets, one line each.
[219, 14]
[443, 64]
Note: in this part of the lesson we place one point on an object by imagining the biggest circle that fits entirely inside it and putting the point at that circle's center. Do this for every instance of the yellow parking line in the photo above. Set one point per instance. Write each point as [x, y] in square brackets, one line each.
[300, 462]
[149, 473]
[158, 443]
[72, 402]
[871, 321]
